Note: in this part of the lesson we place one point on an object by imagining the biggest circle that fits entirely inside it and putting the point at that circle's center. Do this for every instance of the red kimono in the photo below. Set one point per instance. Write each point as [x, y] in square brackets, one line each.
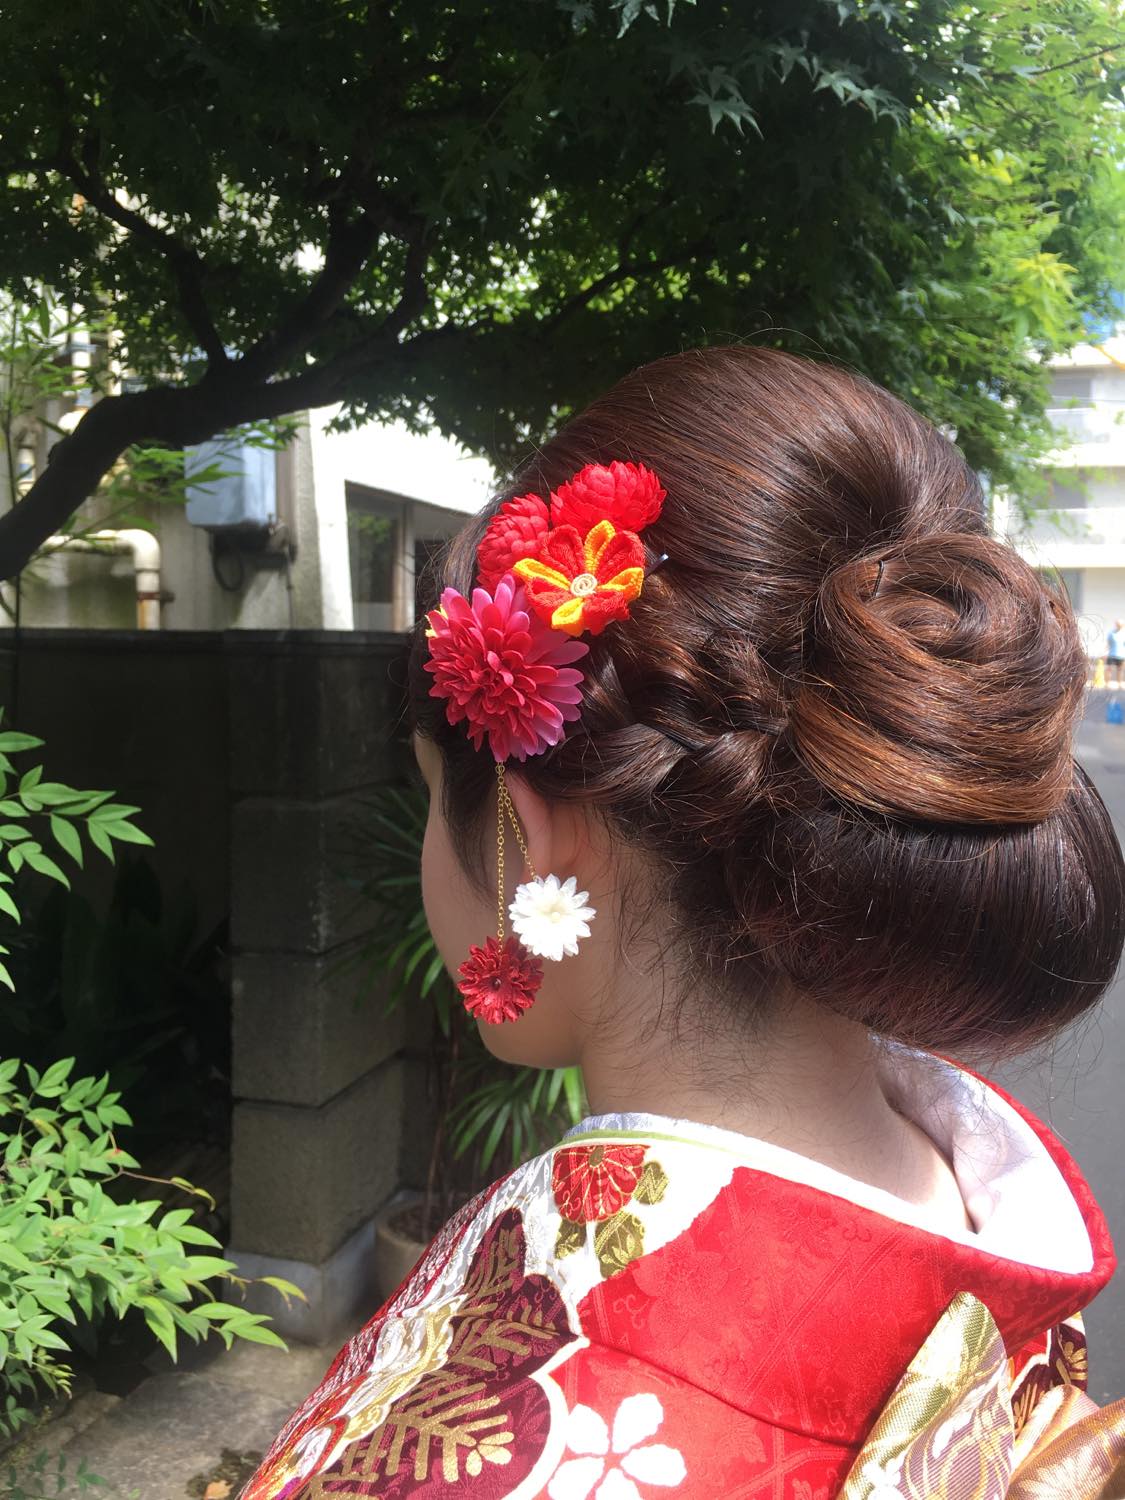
[655, 1307]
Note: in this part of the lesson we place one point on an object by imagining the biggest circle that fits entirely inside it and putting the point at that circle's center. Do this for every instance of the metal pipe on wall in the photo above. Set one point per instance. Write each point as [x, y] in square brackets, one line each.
[144, 549]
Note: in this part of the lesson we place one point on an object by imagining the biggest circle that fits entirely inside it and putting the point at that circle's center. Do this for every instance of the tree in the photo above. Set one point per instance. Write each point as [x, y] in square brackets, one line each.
[478, 214]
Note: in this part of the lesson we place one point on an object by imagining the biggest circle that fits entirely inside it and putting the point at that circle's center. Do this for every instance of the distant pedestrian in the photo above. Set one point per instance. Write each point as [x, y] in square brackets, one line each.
[1115, 654]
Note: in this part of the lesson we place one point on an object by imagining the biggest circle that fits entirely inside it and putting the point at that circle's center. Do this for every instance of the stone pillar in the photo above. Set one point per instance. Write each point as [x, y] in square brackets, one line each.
[317, 1069]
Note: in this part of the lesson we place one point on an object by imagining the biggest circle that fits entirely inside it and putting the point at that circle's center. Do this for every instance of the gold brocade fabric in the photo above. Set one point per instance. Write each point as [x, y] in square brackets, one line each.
[948, 1433]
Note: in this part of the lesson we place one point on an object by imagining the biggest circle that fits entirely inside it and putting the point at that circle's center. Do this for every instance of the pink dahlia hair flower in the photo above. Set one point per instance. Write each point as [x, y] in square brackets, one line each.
[499, 981]
[629, 495]
[518, 529]
[505, 672]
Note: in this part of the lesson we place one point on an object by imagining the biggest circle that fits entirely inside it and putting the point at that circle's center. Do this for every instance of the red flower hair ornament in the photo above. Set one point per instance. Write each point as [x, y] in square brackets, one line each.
[503, 673]
[503, 661]
[499, 980]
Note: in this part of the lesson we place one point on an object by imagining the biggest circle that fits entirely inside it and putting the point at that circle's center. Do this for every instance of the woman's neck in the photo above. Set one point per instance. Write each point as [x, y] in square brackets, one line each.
[811, 1085]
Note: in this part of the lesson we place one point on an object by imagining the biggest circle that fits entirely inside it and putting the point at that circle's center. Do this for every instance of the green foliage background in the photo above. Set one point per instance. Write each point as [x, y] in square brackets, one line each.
[478, 215]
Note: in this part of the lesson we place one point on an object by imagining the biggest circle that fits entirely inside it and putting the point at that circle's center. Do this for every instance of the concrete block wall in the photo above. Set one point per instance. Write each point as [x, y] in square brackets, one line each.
[317, 1068]
[249, 754]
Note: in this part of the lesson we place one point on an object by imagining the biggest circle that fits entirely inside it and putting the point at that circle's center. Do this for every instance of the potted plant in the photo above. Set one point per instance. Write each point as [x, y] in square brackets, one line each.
[483, 1114]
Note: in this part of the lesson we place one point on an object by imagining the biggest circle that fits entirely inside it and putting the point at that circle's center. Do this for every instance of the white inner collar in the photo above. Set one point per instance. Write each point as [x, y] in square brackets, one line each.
[1015, 1195]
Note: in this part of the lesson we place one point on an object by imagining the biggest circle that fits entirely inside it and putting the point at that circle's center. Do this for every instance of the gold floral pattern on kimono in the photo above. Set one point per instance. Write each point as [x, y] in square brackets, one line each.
[603, 1324]
[478, 1406]
[1062, 1360]
[592, 1184]
[949, 1429]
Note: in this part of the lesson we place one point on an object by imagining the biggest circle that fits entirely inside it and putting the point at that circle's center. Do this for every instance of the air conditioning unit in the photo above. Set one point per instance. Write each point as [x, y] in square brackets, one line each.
[244, 495]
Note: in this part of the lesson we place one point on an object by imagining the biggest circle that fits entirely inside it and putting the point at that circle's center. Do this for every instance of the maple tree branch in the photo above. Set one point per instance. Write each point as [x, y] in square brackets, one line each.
[621, 272]
[180, 416]
[1073, 61]
[185, 263]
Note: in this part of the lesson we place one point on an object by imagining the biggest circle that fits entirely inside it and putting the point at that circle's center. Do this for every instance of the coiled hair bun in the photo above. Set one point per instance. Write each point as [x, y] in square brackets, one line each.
[942, 684]
[837, 726]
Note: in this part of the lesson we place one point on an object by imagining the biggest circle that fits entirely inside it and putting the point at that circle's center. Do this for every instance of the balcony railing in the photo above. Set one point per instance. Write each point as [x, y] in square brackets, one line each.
[1091, 526]
[1088, 424]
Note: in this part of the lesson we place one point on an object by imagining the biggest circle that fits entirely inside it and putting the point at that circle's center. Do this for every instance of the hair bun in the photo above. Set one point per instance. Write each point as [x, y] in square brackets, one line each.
[942, 683]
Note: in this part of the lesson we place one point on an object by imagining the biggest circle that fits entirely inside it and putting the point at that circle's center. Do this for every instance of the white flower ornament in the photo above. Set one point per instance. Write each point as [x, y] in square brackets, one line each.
[550, 916]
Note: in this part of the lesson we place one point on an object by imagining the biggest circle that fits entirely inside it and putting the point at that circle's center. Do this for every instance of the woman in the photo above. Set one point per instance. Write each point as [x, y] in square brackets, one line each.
[751, 752]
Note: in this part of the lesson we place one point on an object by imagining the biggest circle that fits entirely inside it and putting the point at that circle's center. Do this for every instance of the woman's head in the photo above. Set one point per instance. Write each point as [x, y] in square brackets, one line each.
[829, 751]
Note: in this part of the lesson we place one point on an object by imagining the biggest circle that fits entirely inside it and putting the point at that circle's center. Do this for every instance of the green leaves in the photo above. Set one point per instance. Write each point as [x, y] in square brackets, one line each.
[671, 175]
[70, 1246]
[62, 812]
[67, 1246]
[11, 741]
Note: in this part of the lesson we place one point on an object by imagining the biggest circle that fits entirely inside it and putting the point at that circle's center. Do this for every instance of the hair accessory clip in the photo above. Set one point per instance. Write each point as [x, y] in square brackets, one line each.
[504, 662]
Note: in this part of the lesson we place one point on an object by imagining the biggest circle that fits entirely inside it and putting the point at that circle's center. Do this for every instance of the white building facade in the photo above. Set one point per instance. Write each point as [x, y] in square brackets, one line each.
[1078, 530]
[354, 518]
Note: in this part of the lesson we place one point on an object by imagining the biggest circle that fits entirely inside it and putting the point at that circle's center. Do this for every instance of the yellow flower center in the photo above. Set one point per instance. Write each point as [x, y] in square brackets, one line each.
[583, 585]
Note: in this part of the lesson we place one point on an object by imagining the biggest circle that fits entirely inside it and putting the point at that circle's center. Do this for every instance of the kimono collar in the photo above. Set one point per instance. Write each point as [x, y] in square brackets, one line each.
[1016, 1196]
[819, 1290]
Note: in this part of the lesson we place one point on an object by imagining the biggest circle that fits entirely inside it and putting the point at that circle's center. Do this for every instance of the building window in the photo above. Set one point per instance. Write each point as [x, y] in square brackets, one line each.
[1072, 390]
[1071, 580]
[428, 552]
[1071, 494]
[375, 526]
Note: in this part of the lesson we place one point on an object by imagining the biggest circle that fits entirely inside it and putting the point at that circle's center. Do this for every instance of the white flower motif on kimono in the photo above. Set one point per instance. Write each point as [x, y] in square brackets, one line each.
[549, 916]
[884, 1479]
[609, 1467]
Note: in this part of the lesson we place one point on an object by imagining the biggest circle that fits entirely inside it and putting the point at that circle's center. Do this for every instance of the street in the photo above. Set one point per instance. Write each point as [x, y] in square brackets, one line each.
[1080, 1089]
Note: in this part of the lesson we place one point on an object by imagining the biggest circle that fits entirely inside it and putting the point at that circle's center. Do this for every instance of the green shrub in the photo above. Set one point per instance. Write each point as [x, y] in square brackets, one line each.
[70, 1248]
[46, 1478]
[67, 1246]
[124, 979]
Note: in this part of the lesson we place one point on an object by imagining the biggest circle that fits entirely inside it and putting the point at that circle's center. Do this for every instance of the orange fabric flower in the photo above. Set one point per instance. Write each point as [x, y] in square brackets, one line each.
[578, 585]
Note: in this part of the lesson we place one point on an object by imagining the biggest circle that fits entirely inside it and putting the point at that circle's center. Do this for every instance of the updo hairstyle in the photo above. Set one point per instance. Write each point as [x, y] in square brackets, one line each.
[839, 719]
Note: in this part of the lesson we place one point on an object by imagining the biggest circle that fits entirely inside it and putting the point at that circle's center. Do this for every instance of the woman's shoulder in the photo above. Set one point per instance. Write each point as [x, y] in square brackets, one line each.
[483, 1360]
[645, 1299]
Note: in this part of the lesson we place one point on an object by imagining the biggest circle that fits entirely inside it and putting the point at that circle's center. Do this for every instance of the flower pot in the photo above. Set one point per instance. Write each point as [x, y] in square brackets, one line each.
[397, 1247]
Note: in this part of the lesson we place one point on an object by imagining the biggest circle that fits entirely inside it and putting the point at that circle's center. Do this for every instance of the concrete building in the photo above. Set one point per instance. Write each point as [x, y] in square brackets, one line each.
[353, 518]
[1079, 529]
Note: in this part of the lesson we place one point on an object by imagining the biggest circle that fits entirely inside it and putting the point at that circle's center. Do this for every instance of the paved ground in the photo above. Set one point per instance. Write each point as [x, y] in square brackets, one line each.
[190, 1432]
[1080, 1091]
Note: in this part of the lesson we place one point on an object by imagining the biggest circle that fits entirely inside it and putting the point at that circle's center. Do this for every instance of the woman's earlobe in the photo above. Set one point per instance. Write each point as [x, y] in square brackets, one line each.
[537, 820]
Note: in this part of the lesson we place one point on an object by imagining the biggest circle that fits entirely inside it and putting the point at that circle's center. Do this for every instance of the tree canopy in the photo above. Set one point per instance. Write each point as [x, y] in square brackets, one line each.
[478, 214]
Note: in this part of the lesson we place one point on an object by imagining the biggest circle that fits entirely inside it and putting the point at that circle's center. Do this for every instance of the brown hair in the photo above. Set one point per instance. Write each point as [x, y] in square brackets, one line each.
[839, 718]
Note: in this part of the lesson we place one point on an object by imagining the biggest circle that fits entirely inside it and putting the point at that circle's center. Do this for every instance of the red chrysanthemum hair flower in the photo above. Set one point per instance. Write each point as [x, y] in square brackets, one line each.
[517, 530]
[499, 981]
[629, 495]
[503, 671]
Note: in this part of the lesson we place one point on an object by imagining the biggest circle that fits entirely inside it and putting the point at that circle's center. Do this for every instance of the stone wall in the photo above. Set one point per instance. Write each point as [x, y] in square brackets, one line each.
[249, 754]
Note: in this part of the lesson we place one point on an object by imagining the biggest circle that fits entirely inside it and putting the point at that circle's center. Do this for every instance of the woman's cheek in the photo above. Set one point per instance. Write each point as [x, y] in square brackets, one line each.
[447, 897]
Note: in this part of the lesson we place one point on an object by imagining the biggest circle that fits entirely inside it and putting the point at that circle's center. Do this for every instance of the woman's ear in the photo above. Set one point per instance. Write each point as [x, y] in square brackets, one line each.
[549, 829]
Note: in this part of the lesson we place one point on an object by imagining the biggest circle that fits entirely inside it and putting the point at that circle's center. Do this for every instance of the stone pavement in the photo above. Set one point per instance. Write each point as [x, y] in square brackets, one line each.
[189, 1431]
